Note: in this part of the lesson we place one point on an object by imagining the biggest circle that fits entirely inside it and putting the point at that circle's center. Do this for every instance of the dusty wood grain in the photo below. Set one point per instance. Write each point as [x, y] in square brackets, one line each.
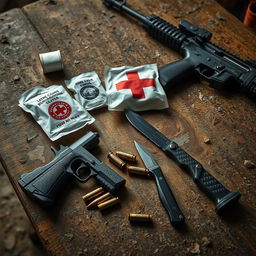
[88, 33]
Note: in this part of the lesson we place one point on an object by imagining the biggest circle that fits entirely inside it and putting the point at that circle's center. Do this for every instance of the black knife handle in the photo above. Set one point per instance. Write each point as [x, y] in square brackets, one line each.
[167, 198]
[222, 197]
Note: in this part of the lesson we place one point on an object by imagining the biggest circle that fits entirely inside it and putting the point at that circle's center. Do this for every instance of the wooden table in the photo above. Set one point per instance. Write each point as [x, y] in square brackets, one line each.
[91, 37]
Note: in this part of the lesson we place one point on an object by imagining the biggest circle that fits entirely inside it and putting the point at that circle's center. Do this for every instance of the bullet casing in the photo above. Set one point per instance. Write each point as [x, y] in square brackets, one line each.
[93, 194]
[140, 217]
[138, 170]
[108, 203]
[99, 200]
[116, 160]
[126, 156]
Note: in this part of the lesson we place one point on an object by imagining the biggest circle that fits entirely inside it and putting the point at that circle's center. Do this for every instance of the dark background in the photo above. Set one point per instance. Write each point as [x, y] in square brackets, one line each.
[17, 236]
[236, 7]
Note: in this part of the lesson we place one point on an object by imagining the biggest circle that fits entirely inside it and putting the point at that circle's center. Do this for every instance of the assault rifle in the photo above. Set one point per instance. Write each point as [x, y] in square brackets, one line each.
[219, 67]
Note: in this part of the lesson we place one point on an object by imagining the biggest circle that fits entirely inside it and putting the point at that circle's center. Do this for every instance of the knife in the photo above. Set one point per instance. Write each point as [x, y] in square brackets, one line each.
[222, 197]
[166, 196]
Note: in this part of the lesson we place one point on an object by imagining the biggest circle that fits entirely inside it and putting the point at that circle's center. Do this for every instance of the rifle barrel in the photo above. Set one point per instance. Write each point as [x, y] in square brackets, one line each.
[121, 6]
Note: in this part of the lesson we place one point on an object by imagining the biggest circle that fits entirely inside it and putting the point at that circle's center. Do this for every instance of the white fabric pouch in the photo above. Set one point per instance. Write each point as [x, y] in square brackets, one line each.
[135, 88]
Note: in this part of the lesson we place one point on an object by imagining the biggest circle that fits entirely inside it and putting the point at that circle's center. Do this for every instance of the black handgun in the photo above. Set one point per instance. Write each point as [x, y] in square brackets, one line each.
[45, 183]
[219, 67]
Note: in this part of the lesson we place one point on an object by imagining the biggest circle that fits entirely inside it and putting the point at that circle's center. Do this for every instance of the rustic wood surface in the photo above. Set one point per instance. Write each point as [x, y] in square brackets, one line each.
[91, 37]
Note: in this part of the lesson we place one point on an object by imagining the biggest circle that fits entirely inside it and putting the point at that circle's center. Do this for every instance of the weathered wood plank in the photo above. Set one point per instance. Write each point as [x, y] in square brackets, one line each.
[85, 31]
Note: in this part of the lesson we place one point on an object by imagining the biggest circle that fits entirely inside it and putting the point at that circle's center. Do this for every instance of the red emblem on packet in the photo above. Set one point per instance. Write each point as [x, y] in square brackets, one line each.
[59, 110]
[135, 84]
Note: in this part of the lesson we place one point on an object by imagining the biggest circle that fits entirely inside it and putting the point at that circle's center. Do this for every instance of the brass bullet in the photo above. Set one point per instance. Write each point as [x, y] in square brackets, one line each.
[138, 170]
[99, 200]
[116, 160]
[126, 156]
[108, 203]
[140, 217]
[93, 194]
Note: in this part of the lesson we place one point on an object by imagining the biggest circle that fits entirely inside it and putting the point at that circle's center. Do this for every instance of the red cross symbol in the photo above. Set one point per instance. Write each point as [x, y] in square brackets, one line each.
[136, 84]
[60, 110]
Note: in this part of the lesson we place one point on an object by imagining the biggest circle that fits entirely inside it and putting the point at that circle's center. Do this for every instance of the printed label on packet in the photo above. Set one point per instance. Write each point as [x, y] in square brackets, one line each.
[55, 110]
[88, 90]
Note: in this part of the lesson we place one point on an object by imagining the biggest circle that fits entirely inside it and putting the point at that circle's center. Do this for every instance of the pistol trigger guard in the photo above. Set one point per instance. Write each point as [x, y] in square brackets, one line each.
[82, 165]
[87, 166]
[87, 178]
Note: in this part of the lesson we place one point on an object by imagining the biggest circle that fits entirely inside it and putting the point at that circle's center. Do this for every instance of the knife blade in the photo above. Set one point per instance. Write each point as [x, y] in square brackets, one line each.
[165, 194]
[222, 197]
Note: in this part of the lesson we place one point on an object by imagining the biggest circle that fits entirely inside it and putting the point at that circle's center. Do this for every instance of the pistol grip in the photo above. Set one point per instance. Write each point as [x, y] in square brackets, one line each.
[45, 183]
[175, 73]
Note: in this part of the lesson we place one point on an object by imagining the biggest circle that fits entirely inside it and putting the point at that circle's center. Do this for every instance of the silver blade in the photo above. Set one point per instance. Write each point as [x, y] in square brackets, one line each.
[146, 157]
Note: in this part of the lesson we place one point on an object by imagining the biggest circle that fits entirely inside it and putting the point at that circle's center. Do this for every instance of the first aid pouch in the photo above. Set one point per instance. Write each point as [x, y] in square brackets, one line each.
[54, 110]
[134, 88]
[88, 90]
